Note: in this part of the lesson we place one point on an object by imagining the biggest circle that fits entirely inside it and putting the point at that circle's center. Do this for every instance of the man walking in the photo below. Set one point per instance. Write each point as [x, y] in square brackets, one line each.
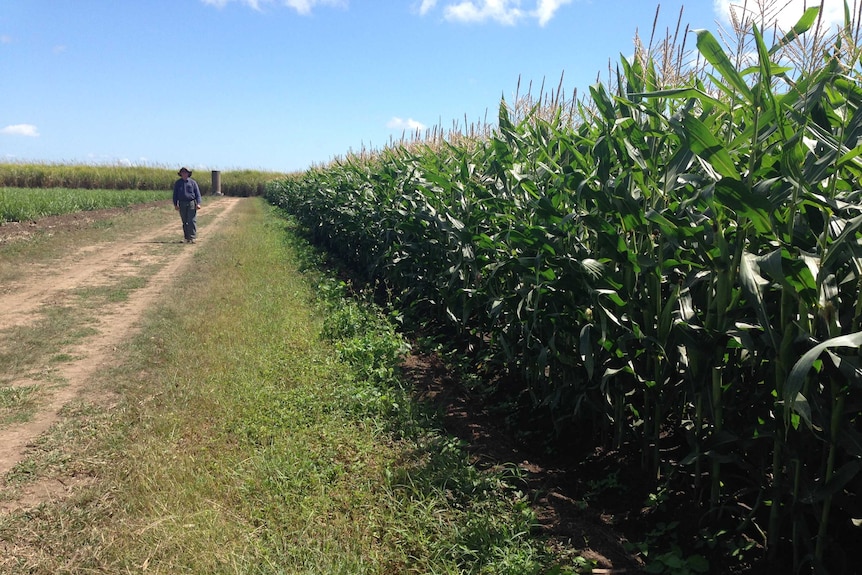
[187, 200]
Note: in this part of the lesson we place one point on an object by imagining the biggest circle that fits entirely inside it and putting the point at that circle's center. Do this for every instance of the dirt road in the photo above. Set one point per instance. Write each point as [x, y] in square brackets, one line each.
[152, 259]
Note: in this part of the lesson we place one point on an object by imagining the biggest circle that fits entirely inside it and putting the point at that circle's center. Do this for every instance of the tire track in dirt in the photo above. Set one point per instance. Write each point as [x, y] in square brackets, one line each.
[87, 266]
[93, 266]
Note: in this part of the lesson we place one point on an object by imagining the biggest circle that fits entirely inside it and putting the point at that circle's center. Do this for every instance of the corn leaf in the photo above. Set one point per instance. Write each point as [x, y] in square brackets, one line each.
[800, 370]
[712, 51]
[839, 479]
[745, 202]
[703, 143]
[753, 284]
[803, 25]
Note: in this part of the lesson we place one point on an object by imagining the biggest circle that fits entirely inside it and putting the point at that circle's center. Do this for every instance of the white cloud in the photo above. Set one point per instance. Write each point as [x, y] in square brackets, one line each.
[28, 130]
[409, 124]
[427, 6]
[301, 6]
[546, 9]
[790, 11]
[507, 12]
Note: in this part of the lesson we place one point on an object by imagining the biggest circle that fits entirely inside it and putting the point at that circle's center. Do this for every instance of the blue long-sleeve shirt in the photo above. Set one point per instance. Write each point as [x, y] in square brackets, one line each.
[186, 191]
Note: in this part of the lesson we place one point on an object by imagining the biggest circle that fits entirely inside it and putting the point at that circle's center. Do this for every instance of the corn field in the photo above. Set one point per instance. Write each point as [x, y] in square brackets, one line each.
[673, 267]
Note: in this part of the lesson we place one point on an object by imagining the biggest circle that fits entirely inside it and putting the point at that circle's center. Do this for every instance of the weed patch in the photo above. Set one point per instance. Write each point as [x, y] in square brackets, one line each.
[17, 403]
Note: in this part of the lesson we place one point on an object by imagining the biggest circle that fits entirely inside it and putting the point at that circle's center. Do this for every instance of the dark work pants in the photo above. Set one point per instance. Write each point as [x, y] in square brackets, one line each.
[188, 213]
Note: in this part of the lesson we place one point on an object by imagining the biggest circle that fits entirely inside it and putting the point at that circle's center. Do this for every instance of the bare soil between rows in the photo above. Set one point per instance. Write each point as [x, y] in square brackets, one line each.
[554, 485]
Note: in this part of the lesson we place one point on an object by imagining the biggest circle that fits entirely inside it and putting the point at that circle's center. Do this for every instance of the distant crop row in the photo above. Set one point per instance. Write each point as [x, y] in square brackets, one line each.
[96, 177]
[678, 272]
[26, 204]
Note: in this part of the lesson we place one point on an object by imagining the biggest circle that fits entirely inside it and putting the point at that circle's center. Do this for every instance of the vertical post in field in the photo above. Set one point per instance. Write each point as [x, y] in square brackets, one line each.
[216, 187]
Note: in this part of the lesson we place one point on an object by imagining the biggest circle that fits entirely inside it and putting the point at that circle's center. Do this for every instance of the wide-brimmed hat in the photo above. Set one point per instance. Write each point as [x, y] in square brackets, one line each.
[184, 169]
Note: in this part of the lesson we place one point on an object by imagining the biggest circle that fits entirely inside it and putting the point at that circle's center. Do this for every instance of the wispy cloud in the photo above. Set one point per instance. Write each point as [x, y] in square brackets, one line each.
[28, 130]
[301, 6]
[791, 11]
[547, 8]
[505, 12]
[4, 39]
[305, 6]
[426, 6]
[409, 124]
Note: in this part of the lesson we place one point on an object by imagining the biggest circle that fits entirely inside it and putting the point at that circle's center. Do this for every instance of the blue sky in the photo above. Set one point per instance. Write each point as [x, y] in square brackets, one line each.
[286, 84]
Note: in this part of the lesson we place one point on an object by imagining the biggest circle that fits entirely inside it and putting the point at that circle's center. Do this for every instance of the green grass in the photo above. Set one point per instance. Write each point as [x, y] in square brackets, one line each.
[245, 442]
[27, 204]
[118, 291]
[25, 348]
[17, 404]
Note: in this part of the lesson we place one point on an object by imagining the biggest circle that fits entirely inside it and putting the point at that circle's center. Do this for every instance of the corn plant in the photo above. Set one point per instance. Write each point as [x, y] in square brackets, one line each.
[671, 266]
